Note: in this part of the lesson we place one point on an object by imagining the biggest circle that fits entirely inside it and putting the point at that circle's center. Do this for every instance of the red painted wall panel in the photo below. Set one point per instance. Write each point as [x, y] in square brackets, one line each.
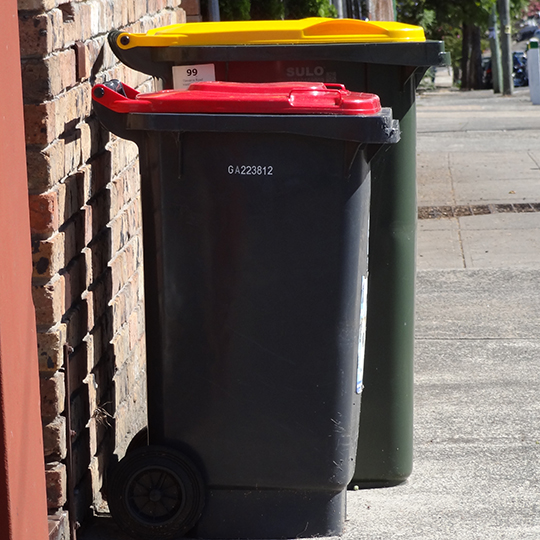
[23, 507]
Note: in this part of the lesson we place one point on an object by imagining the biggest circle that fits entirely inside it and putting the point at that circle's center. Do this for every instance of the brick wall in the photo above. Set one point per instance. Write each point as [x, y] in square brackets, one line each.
[86, 233]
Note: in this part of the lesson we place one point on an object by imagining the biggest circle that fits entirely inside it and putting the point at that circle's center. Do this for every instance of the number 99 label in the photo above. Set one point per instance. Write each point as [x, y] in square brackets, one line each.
[183, 76]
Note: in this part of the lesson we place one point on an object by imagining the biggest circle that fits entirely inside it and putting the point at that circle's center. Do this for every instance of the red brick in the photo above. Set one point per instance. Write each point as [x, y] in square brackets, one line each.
[36, 5]
[75, 235]
[72, 196]
[101, 293]
[53, 395]
[76, 320]
[56, 481]
[51, 349]
[191, 7]
[48, 256]
[40, 123]
[54, 438]
[75, 276]
[78, 369]
[49, 301]
[45, 167]
[44, 213]
[35, 34]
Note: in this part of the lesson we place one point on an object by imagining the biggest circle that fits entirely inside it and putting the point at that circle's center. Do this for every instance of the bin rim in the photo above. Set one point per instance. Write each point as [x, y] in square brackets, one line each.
[369, 129]
[280, 32]
[224, 97]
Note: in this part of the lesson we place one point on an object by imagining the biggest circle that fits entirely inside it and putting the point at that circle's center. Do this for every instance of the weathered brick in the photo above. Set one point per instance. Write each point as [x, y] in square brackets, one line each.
[40, 123]
[72, 151]
[56, 29]
[119, 15]
[126, 225]
[53, 395]
[87, 252]
[78, 371]
[75, 277]
[101, 210]
[71, 22]
[75, 235]
[101, 252]
[45, 78]
[54, 438]
[56, 481]
[101, 290]
[76, 320]
[129, 374]
[191, 7]
[130, 417]
[92, 226]
[123, 154]
[103, 372]
[45, 167]
[34, 34]
[44, 213]
[125, 301]
[58, 526]
[125, 263]
[49, 301]
[100, 172]
[136, 10]
[88, 297]
[51, 349]
[84, 14]
[48, 256]
[136, 327]
[71, 195]
[36, 5]
[98, 469]
[61, 68]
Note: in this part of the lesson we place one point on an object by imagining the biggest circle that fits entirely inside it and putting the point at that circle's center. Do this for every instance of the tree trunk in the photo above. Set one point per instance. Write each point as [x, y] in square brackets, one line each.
[465, 56]
[381, 10]
[475, 59]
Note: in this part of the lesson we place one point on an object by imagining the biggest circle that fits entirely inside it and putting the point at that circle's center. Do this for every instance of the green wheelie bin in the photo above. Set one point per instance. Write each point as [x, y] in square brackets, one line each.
[384, 58]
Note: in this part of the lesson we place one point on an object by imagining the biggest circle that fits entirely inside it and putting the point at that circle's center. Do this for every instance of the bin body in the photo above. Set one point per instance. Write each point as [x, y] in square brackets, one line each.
[255, 258]
[389, 65]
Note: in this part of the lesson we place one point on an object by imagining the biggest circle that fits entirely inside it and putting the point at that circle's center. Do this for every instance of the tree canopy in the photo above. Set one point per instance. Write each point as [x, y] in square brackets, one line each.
[240, 10]
[462, 24]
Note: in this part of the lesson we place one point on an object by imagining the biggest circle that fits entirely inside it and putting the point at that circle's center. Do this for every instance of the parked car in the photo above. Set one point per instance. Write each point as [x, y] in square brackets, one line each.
[519, 71]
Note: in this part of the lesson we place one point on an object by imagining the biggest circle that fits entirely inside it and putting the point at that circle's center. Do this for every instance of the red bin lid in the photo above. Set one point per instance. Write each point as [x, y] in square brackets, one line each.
[215, 97]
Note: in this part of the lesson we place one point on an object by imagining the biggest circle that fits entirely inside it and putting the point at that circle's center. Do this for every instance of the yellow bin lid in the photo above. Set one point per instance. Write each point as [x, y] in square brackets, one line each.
[303, 31]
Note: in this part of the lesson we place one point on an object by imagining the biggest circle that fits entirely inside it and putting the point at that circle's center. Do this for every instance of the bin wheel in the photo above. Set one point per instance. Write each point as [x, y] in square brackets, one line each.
[156, 493]
[139, 441]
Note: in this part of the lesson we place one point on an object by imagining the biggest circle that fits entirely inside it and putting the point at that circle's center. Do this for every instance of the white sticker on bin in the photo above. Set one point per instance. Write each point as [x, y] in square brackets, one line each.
[183, 76]
[362, 337]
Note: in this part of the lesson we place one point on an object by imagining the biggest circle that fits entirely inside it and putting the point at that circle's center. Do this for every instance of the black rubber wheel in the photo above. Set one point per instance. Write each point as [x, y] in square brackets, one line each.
[155, 493]
[139, 441]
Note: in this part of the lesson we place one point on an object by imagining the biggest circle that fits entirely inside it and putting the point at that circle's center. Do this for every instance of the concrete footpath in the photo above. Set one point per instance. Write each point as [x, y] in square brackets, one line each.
[477, 390]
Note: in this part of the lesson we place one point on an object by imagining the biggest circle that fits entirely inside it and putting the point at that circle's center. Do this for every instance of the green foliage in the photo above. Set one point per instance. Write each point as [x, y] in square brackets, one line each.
[234, 10]
[241, 10]
[298, 9]
[265, 10]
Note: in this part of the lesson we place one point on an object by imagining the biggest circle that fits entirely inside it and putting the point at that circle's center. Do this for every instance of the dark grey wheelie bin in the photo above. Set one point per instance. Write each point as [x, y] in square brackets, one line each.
[255, 223]
[387, 59]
